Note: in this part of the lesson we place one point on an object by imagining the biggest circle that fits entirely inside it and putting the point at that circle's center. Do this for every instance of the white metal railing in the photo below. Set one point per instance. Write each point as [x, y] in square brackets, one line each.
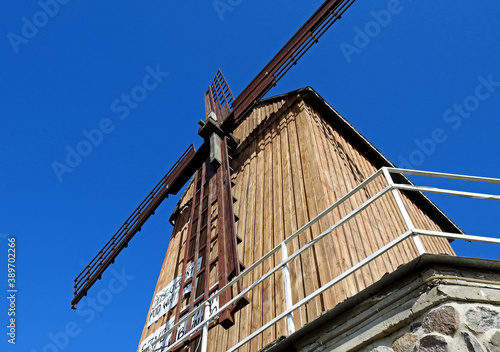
[411, 232]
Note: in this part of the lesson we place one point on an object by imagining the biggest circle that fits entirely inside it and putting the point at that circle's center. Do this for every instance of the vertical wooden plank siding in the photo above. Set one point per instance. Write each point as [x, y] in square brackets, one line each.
[172, 264]
[290, 165]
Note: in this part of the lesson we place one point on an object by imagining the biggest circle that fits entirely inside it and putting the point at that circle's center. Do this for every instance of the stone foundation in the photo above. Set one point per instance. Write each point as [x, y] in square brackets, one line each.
[448, 328]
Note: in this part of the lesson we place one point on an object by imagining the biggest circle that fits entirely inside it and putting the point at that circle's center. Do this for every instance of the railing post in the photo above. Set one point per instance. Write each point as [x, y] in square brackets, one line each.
[204, 334]
[404, 212]
[288, 289]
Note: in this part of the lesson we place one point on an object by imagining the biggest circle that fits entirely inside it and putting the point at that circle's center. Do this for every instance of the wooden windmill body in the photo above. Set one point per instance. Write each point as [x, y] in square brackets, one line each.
[265, 169]
[296, 156]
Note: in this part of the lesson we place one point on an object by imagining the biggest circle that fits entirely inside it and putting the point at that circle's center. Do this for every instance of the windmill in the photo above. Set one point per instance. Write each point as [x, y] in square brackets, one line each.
[210, 172]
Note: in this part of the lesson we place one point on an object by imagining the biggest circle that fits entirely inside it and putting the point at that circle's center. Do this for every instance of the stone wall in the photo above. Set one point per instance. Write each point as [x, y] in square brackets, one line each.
[451, 327]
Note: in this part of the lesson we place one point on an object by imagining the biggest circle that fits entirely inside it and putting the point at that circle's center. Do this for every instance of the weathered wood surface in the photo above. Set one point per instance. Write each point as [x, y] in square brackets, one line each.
[291, 164]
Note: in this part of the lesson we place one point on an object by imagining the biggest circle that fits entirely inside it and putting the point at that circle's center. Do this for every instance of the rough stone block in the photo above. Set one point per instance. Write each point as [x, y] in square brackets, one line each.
[443, 320]
[482, 319]
[433, 343]
[472, 344]
[405, 343]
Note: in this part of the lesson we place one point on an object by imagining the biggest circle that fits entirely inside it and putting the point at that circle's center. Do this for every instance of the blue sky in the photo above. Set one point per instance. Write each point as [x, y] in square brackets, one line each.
[429, 71]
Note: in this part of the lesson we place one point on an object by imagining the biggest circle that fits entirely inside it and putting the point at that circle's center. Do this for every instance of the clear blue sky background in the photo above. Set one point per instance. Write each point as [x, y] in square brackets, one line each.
[64, 78]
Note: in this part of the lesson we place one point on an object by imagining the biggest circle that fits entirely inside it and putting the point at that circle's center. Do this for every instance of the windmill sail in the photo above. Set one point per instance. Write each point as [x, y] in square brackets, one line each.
[169, 184]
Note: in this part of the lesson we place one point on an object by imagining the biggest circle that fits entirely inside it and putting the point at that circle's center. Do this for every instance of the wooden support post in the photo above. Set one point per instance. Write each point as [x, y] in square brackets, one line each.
[229, 265]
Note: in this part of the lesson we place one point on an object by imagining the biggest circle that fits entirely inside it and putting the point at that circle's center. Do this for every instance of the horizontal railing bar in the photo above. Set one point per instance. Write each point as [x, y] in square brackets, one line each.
[443, 175]
[458, 236]
[447, 191]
